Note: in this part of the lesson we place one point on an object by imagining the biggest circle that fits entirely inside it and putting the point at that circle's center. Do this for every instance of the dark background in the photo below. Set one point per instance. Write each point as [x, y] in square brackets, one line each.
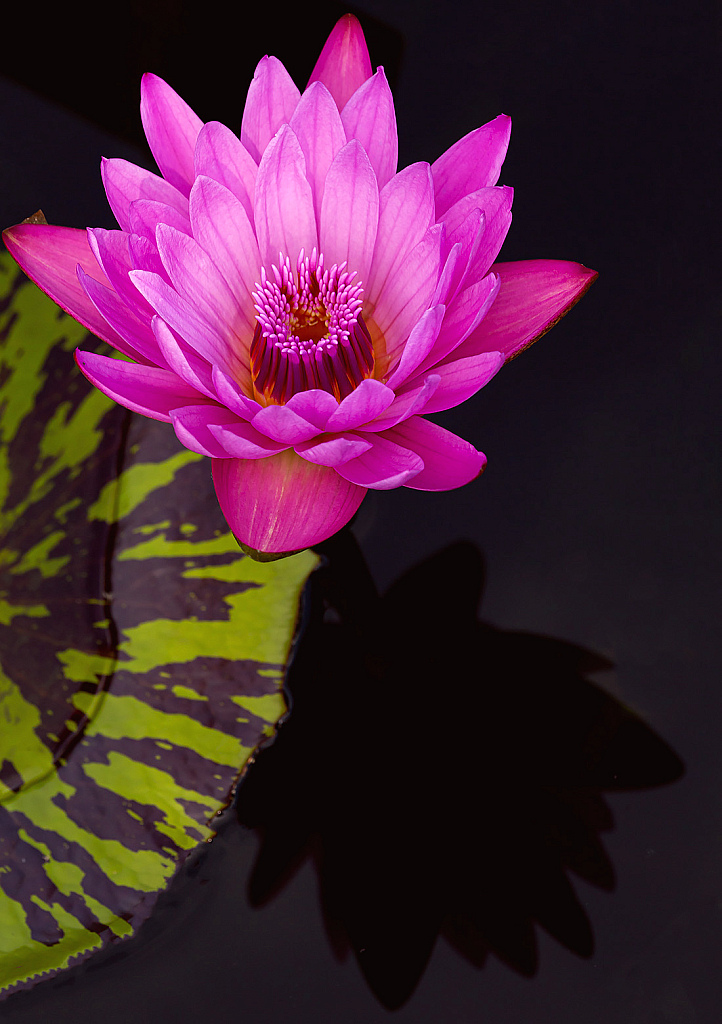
[597, 514]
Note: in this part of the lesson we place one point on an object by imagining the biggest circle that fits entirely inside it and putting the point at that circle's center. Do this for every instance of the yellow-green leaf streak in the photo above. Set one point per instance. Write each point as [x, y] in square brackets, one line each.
[259, 626]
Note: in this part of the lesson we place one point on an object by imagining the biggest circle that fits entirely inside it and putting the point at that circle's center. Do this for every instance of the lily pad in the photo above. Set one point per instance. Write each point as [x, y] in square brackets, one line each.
[142, 653]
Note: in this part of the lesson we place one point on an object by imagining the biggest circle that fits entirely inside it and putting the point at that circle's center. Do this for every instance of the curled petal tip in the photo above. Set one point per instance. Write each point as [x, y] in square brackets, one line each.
[344, 63]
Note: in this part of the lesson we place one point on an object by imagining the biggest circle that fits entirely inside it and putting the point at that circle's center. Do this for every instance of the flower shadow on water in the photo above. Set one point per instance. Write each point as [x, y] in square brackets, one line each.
[444, 774]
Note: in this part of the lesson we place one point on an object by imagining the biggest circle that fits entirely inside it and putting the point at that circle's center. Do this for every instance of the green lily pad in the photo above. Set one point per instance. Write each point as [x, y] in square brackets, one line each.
[142, 653]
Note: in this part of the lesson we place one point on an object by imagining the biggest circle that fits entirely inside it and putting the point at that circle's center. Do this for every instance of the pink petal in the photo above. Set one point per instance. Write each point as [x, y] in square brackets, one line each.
[212, 430]
[384, 466]
[241, 440]
[421, 341]
[183, 361]
[223, 157]
[144, 256]
[197, 280]
[449, 461]
[344, 64]
[364, 404]
[282, 424]
[112, 252]
[332, 451]
[171, 128]
[471, 163]
[191, 424]
[460, 379]
[284, 217]
[317, 126]
[283, 503]
[350, 211]
[49, 255]
[230, 394]
[140, 343]
[272, 99]
[221, 226]
[145, 389]
[192, 328]
[144, 216]
[534, 295]
[125, 182]
[452, 274]
[369, 117]
[466, 311]
[409, 403]
[406, 211]
[408, 292]
[315, 406]
[465, 229]
[495, 203]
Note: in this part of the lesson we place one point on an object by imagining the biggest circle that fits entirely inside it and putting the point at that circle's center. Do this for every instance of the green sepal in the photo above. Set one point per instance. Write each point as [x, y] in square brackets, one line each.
[266, 556]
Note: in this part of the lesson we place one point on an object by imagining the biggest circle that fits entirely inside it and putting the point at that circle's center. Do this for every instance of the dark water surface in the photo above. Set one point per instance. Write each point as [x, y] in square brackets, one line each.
[597, 518]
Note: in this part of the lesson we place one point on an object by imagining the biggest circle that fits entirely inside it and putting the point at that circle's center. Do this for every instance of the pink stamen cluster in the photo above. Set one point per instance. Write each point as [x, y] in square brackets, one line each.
[309, 330]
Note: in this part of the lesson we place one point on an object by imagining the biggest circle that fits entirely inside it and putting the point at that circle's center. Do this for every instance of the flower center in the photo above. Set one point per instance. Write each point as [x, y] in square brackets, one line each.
[309, 330]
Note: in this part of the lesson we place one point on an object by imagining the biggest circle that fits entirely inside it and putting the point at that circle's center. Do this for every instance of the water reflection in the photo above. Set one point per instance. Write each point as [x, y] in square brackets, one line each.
[445, 775]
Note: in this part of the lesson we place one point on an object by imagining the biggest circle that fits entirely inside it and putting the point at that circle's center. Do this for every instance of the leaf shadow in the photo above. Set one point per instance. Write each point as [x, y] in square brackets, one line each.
[445, 775]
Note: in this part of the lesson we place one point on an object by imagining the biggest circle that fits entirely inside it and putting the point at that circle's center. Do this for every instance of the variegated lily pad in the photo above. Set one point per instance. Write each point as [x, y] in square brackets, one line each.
[141, 653]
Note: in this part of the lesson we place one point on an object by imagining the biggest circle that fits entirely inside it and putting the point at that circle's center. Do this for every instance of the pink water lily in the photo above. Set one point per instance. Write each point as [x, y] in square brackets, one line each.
[291, 303]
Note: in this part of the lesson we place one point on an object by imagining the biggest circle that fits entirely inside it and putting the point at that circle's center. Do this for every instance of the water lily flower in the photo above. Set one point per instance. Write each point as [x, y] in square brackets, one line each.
[292, 303]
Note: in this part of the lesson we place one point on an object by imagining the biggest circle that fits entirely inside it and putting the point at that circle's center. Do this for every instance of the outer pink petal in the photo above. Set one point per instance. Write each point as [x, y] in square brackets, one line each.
[332, 451]
[284, 216]
[384, 466]
[408, 292]
[221, 226]
[222, 156]
[449, 461]
[272, 99]
[461, 379]
[50, 255]
[145, 389]
[283, 503]
[125, 182]
[344, 64]
[471, 163]
[364, 404]
[406, 212]
[534, 295]
[140, 343]
[171, 128]
[369, 117]
[317, 126]
[350, 211]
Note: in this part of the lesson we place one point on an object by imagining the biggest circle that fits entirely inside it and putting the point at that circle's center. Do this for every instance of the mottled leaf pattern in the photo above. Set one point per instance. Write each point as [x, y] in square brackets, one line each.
[141, 653]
